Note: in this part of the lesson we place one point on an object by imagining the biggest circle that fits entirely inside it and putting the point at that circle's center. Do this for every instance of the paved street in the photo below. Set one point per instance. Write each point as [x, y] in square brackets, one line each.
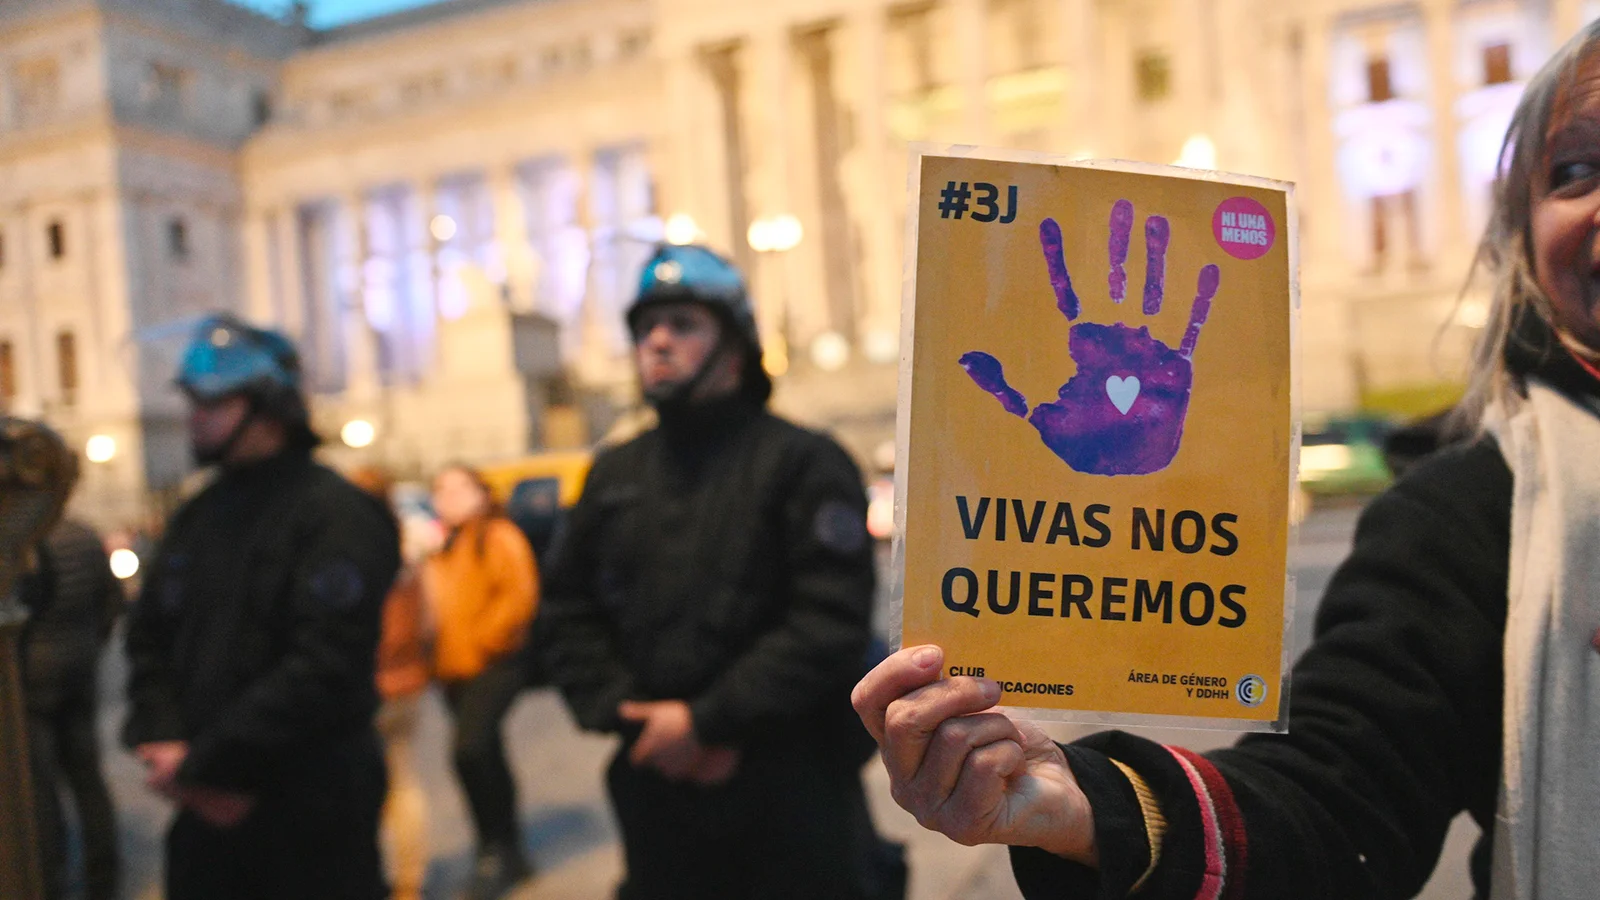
[567, 825]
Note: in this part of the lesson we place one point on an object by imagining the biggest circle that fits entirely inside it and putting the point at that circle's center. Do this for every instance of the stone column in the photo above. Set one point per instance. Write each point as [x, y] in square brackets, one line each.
[1439, 16]
[511, 233]
[1080, 53]
[877, 196]
[971, 22]
[1321, 200]
[290, 272]
[766, 105]
[260, 300]
[362, 379]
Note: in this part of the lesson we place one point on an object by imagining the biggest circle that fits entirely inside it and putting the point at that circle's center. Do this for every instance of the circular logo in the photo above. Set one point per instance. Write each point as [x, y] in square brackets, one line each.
[1251, 690]
[1243, 228]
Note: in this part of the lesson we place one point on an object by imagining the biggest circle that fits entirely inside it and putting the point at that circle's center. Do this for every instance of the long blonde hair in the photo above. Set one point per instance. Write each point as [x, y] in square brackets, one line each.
[1506, 250]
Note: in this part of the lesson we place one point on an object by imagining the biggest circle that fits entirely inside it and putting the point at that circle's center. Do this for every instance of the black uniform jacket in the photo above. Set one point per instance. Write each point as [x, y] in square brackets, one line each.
[721, 559]
[254, 636]
[73, 602]
[1394, 717]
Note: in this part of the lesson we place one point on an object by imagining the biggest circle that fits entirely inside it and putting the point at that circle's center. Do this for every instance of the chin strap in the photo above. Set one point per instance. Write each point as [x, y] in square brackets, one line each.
[682, 393]
[220, 453]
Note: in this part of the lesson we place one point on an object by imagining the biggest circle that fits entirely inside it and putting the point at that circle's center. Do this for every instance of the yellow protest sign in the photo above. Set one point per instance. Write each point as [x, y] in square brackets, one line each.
[1097, 422]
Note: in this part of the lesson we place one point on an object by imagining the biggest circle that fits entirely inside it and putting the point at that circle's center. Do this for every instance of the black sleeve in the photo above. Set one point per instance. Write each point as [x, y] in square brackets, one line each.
[580, 650]
[1394, 719]
[822, 639]
[154, 713]
[347, 553]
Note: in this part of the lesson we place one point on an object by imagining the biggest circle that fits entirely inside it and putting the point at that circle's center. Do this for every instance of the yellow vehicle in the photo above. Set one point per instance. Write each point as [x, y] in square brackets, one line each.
[566, 468]
[536, 490]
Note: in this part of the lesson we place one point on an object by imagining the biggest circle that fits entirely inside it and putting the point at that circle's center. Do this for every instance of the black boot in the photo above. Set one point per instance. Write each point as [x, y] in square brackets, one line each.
[498, 869]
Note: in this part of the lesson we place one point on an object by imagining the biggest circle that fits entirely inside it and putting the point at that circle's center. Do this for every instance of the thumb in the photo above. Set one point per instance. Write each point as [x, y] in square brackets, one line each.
[633, 711]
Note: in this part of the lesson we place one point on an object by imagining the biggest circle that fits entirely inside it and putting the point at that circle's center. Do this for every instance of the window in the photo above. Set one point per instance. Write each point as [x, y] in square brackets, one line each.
[1379, 86]
[56, 238]
[1497, 64]
[260, 108]
[165, 90]
[633, 43]
[177, 240]
[67, 366]
[1154, 76]
[8, 373]
[37, 90]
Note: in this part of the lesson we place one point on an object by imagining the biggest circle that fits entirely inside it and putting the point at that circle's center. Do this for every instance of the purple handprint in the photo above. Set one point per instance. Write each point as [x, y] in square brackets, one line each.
[1122, 413]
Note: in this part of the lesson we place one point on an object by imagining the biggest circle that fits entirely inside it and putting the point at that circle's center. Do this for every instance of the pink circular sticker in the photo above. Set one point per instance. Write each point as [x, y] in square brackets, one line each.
[1243, 228]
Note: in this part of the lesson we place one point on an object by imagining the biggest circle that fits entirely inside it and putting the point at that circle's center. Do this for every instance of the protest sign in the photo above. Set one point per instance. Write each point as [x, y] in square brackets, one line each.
[1097, 429]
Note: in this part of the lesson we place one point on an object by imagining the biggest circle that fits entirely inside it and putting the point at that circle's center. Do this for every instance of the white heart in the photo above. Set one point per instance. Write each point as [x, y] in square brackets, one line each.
[1122, 391]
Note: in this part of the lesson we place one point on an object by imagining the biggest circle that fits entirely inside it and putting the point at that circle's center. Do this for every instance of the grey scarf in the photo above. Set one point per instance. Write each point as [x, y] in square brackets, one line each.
[1547, 830]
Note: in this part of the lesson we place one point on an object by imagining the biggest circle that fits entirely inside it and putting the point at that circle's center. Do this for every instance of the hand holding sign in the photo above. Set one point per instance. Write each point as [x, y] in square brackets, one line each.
[977, 777]
[1122, 412]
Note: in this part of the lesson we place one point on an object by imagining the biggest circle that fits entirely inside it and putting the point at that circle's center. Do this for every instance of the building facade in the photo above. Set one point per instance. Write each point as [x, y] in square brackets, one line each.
[448, 207]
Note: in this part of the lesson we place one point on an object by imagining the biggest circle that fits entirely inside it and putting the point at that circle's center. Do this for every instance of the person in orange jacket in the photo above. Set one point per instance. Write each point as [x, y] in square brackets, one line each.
[402, 677]
[483, 586]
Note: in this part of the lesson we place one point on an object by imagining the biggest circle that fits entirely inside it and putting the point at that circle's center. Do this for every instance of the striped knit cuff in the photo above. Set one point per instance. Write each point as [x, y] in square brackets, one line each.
[1155, 824]
[1226, 843]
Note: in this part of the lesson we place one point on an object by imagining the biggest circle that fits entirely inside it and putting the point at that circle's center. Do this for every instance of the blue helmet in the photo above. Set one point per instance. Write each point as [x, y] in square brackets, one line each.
[694, 273]
[226, 356]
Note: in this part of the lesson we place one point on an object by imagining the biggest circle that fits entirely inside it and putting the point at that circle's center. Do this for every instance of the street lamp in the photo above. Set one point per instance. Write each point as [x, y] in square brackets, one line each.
[777, 234]
[680, 229]
[358, 433]
[100, 448]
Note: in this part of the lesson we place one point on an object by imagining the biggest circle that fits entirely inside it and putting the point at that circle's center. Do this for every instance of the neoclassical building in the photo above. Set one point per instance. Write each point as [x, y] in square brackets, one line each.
[448, 206]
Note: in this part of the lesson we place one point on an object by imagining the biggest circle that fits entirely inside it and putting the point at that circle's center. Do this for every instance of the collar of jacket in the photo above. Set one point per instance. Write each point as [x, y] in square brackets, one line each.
[288, 460]
[1535, 351]
[699, 425]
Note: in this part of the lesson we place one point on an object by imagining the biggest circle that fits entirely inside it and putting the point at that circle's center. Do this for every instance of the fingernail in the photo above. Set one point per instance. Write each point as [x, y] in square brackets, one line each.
[926, 657]
[991, 690]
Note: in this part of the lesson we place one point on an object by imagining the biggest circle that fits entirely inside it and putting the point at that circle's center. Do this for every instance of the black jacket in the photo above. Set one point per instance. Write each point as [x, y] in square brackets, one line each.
[255, 634]
[73, 601]
[721, 559]
[1394, 716]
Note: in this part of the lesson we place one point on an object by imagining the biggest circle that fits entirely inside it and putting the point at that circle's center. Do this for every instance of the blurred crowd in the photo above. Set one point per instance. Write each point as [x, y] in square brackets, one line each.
[708, 599]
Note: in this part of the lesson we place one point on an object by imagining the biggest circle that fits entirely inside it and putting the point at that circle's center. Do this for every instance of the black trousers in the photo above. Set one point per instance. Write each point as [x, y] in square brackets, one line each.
[479, 706]
[65, 751]
[792, 824]
[315, 837]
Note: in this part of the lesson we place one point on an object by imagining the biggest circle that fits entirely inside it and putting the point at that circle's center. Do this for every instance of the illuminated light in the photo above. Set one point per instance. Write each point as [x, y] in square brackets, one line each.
[758, 234]
[830, 351]
[682, 229]
[124, 563]
[1199, 152]
[1383, 149]
[786, 233]
[100, 448]
[770, 234]
[881, 346]
[880, 510]
[358, 433]
[775, 358]
[1323, 458]
[1472, 313]
[443, 228]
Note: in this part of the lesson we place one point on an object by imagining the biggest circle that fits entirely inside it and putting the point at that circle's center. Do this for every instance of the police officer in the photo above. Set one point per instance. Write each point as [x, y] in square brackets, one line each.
[710, 600]
[252, 643]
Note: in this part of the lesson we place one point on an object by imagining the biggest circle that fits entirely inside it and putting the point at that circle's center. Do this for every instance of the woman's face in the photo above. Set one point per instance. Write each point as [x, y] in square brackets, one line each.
[1566, 208]
[457, 498]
